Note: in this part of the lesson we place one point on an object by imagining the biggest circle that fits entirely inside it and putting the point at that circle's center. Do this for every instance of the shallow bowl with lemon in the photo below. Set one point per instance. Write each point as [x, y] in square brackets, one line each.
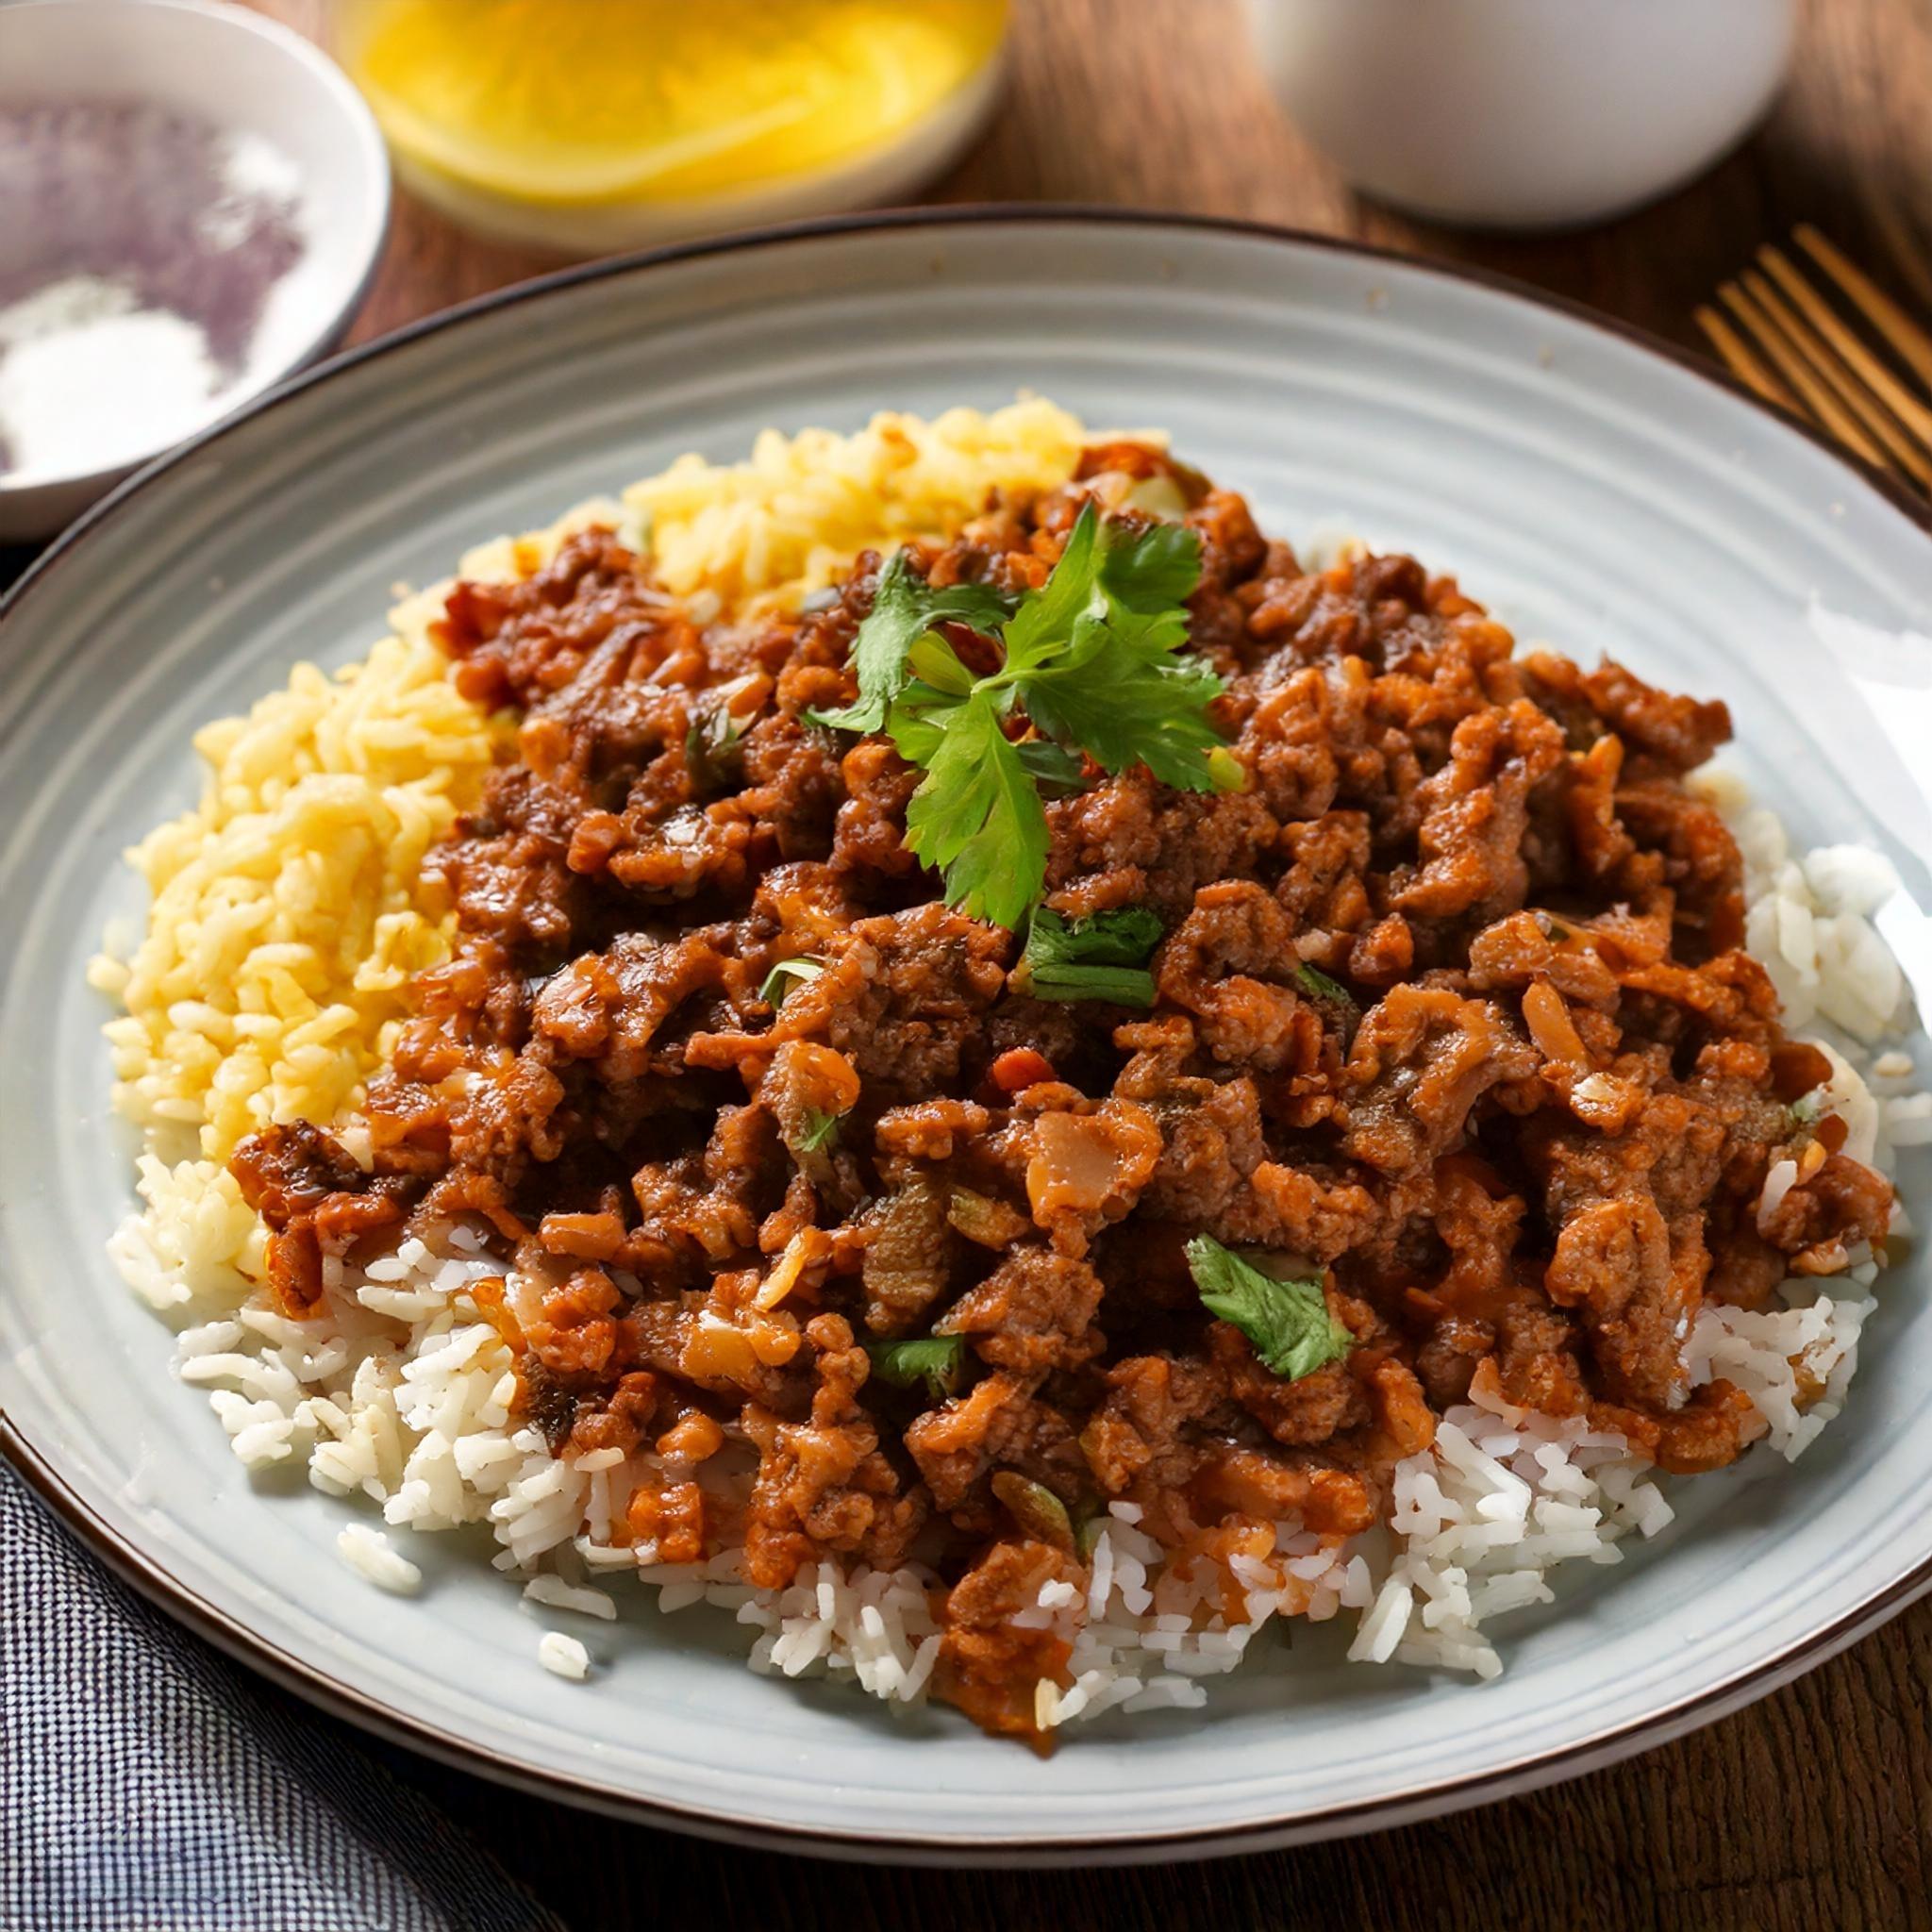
[583, 126]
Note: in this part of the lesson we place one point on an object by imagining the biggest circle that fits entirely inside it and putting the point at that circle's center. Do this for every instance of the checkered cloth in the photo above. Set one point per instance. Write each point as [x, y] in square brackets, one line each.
[148, 1785]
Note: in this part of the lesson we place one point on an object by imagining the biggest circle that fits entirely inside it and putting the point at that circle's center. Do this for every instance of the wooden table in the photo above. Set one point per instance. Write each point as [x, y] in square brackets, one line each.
[1813, 1807]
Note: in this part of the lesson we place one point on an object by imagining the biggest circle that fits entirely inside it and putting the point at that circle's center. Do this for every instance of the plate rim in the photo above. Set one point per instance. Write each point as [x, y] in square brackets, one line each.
[1535, 1770]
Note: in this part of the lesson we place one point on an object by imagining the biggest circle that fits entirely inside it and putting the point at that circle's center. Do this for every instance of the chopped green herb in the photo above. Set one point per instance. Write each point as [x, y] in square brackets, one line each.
[1287, 1322]
[821, 1130]
[905, 609]
[1034, 1507]
[1123, 937]
[713, 750]
[937, 1360]
[715, 743]
[1098, 958]
[1806, 1108]
[801, 969]
[1226, 771]
[1091, 664]
[1317, 985]
[1334, 995]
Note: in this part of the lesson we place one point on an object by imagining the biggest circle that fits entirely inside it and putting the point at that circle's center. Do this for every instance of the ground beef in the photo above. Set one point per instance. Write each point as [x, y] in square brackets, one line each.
[1448, 1012]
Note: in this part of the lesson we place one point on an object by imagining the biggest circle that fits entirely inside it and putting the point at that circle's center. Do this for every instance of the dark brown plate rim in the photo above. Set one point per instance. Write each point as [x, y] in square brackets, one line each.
[1530, 1772]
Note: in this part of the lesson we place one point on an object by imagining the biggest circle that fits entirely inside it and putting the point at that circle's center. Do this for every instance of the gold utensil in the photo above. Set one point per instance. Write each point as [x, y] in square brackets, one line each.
[1870, 391]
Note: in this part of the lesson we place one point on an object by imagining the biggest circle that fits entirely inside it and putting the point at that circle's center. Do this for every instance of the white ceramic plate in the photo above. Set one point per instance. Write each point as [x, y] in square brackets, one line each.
[1600, 494]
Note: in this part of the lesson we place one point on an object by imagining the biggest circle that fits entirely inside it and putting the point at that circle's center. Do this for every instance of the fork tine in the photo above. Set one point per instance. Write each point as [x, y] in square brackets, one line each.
[1904, 247]
[1744, 362]
[1835, 335]
[1885, 315]
[1793, 367]
[1908, 407]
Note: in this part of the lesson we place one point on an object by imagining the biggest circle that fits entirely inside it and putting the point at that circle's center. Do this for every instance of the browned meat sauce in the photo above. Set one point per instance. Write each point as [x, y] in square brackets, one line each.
[1525, 1144]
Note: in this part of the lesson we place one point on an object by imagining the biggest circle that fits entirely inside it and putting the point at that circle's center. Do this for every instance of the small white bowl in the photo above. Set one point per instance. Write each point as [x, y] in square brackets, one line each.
[241, 75]
[1523, 113]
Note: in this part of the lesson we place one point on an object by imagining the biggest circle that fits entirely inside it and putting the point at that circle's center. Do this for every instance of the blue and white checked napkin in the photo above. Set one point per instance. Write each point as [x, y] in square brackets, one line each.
[149, 1785]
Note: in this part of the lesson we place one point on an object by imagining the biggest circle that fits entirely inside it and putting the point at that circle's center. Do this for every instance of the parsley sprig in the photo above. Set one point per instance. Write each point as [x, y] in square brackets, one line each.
[1091, 664]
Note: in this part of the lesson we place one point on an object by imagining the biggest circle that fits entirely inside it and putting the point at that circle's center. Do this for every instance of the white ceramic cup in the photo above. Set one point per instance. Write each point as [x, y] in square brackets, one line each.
[1523, 113]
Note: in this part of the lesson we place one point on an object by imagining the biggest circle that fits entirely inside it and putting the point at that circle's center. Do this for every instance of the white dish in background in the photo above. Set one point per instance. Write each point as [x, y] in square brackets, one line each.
[1523, 113]
[1600, 495]
[245, 76]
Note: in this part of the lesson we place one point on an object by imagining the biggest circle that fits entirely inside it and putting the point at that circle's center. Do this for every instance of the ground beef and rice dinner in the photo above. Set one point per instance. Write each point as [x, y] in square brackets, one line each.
[933, 1040]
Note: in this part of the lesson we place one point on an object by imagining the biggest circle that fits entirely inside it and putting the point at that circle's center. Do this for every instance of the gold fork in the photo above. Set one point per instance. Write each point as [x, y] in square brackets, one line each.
[1809, 359]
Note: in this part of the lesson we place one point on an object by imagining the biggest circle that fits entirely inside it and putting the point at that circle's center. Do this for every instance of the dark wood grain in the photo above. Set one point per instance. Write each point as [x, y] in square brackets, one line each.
[1811, 1809]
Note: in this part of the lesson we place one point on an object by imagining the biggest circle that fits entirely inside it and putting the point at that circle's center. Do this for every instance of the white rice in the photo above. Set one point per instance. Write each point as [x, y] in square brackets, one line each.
[553, 1592]
[368, 1553]
[564, 1657]
[1808, 921]
[1482, 1518]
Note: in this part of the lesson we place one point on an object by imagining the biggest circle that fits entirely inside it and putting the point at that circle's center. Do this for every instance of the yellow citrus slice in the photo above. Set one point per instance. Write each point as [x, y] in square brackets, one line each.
[662, 100]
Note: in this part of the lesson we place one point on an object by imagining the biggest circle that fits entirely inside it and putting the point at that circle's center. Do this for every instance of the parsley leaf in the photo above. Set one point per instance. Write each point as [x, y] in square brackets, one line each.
[1099, 958]
[1054, 769]
[1287, 1322]
[1159, 569]
[903, 610]
[917, 722]
[1124, 710]
[1047, 618]
[821, 1130]
[937, 1360]
[935, 662]
[976, 816]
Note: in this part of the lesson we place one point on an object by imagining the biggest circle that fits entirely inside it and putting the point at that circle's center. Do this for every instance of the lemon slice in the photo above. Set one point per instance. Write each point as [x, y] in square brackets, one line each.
[591, 100]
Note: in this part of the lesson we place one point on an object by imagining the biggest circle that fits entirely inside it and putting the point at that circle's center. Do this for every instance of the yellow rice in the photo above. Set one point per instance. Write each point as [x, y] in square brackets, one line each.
[793, 515]
[289, 908]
